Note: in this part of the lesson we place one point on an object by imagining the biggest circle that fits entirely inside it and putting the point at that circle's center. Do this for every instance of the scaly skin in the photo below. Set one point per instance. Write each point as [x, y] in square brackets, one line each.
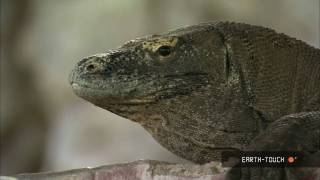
[203, 89]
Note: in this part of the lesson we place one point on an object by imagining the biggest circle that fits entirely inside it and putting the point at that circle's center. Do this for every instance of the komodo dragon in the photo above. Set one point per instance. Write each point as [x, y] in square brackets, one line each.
[203, 89]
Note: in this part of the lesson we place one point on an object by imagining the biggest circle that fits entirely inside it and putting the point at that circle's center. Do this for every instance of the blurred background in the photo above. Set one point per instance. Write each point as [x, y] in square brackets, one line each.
[44, 126]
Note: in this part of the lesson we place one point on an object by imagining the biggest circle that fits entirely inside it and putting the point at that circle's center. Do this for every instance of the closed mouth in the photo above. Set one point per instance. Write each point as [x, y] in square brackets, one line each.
[185, 74]
[95, 95]
[111, 96]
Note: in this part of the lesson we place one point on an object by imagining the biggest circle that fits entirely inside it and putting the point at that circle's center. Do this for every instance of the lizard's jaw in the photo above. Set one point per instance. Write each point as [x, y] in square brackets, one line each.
[125, 107]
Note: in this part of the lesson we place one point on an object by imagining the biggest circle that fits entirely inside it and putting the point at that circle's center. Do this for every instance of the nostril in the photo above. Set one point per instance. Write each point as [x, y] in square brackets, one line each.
[90, 67]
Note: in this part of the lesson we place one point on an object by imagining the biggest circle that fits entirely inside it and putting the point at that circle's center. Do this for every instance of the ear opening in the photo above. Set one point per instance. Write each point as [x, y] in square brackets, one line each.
[227, 57]
[227, 64]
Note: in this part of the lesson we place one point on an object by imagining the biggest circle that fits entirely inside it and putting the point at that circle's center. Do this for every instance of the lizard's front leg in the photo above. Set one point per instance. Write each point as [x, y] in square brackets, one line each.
[295, 132]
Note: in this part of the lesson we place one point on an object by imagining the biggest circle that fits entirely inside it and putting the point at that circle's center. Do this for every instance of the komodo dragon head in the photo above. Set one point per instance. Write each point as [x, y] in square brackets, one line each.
[180, 86]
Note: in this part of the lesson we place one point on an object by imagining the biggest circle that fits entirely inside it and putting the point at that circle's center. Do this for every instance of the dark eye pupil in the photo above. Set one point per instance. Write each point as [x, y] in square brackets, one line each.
[164, 50]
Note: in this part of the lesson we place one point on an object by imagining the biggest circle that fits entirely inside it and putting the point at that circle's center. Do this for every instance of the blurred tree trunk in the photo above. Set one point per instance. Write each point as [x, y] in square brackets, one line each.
[23, 117]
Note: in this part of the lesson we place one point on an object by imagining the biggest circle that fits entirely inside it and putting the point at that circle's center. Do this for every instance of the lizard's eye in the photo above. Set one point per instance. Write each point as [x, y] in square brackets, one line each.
[164, 51]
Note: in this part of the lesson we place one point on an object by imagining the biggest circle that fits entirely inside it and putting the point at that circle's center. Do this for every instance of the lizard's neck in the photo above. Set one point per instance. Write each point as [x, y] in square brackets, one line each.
[206, 122]
[269, 70]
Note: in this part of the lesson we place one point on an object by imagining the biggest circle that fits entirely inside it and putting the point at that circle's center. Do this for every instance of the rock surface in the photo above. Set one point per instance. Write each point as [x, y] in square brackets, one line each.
[138, 170]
